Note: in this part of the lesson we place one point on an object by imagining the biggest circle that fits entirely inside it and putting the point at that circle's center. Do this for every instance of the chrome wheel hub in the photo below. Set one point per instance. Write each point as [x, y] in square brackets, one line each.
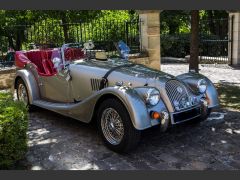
[112, 126]
[22, 94]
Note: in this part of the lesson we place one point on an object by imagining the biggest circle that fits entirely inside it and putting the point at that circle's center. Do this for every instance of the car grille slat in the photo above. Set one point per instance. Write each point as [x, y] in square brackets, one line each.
[95, 84]
[176, 92]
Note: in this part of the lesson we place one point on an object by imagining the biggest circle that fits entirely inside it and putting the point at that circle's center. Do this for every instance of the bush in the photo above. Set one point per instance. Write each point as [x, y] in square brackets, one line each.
[175, 45]
[178, 45]
[13, 130]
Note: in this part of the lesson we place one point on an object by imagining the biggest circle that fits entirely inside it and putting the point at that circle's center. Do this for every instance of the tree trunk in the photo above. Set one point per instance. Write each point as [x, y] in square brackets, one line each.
[65, 27]
[10, 42]
[19, 40]
[194, 42]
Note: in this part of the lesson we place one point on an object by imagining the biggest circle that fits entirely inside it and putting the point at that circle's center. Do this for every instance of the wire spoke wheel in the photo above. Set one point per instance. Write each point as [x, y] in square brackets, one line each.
[112, 126]
[115, 126]
[22, 94]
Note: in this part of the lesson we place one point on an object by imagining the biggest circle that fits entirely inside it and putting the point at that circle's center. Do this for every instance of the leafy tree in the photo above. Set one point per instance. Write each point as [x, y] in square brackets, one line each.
[212, 21]
[176, 21]
[57, 25]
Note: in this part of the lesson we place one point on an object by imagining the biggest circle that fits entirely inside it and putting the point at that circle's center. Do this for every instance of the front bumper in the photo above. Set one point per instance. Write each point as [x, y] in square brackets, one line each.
[186, 115]
[191, 113]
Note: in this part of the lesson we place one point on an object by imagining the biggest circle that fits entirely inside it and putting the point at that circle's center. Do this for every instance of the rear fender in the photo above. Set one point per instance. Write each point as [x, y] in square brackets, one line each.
[30, 82]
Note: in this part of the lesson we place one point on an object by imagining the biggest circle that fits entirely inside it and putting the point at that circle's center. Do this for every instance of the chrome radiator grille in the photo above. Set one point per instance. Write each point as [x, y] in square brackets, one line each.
[95, 84]
[178, 94]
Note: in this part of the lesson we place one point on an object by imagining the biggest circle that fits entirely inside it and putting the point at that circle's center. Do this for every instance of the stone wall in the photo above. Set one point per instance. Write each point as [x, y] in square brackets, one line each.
[150, 36]
[6, 78]
[142, 60]
[235, 51]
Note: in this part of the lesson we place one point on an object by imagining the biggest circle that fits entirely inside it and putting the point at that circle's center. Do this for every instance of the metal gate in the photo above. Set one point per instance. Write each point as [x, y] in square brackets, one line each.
[52, 33]
[215, 41]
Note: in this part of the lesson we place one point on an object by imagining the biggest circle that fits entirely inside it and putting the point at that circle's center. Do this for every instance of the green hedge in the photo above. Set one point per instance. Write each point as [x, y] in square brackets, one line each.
[13, 130]
[178, 45]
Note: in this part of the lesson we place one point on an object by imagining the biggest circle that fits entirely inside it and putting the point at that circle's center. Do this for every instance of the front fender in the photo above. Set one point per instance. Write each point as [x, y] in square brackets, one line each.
[211, 93]
[134, 104]
[30, 82]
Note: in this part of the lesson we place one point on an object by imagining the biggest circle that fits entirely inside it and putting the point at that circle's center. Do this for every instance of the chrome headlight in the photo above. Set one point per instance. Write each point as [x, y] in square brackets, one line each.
[202, 85]
[152, 96]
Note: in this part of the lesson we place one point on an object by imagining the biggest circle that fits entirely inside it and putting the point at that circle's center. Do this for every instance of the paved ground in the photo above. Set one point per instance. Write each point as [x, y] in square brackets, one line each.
[57, 142]
[216, 73]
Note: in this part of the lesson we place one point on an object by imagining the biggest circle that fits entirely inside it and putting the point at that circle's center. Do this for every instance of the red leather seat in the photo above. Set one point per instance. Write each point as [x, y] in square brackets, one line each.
[78, 53]
[42, 60]
[73, 54]
[21, 59]
[36, 58]
[48, 67]
[47, 63]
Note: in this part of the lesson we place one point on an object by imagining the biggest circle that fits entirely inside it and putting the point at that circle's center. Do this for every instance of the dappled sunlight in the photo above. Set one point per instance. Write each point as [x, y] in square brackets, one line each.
[70, 145]
[237, 131]
[46, 141]
[36, 168]
[229, 95]
[232, 131]
[36, 137]
[228, 130]
[40, 131]
[40, 141]
[89, 166]
[223, 141]
[213, 129]
[215, 116]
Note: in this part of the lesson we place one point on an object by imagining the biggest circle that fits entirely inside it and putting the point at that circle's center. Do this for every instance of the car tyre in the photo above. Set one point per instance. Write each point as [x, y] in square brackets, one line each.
[125, 141]
[22, 93]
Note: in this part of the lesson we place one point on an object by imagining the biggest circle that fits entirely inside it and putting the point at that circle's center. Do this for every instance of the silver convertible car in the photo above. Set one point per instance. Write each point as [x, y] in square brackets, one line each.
[122, 97]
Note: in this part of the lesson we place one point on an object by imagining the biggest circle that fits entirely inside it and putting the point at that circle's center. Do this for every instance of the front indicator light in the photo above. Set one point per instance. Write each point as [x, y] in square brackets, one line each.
[155, 115]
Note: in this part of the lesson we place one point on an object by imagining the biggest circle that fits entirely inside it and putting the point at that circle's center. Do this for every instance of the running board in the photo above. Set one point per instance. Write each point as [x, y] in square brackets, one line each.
[79, 111]
[52, 105]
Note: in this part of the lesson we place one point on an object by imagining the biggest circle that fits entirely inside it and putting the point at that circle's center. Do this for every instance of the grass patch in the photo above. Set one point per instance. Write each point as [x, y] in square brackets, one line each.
[229, 96]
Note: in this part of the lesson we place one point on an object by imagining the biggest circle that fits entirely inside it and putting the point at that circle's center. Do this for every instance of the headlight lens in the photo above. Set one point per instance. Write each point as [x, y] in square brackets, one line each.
[202, 85]
[153, 96]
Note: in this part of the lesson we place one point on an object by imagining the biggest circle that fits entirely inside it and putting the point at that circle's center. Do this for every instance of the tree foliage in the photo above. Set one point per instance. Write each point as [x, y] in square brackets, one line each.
[14, 23]
[178, 21]
[58, 26]
[176, 32]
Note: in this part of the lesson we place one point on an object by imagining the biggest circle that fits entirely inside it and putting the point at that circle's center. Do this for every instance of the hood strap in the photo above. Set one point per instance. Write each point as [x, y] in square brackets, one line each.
[104, 80]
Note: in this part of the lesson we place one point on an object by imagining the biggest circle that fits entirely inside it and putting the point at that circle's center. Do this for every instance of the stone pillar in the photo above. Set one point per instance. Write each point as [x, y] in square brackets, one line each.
[234, 46]
[150, 36]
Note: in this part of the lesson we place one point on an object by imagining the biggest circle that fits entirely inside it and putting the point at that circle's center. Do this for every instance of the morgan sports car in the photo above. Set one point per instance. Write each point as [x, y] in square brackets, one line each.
[124, 98]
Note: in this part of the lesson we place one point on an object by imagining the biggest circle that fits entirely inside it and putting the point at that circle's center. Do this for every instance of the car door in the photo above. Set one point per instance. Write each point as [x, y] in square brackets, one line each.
[57, 88]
